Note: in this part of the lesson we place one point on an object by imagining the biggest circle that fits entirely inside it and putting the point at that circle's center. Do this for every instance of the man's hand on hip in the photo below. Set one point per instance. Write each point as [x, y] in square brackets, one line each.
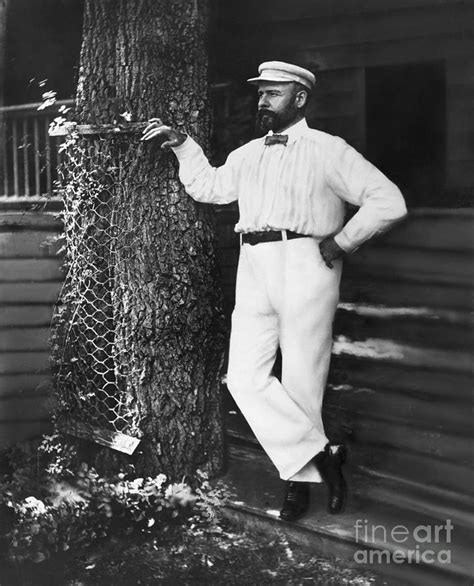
[330, 250]
[171, 136]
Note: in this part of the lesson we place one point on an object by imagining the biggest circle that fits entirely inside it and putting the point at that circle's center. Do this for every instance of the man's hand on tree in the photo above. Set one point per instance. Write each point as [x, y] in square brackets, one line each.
[330, 250]
[171, 136]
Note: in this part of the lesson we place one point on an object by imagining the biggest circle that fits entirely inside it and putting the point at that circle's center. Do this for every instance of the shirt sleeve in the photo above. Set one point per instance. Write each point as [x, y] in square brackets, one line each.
[202, 181]
[357, 181]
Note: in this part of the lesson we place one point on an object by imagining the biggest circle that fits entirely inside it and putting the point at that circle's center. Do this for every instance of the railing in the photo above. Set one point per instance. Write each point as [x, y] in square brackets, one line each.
[28, 155]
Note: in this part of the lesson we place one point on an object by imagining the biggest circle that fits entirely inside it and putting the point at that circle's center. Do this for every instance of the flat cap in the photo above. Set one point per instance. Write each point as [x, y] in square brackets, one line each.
[279, 71]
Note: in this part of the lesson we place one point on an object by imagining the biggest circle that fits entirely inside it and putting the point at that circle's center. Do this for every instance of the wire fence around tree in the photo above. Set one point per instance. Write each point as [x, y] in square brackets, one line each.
[91, 368]
[97, 366]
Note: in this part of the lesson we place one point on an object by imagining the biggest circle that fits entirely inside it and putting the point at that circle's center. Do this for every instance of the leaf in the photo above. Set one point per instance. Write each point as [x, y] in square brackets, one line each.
[38, 557]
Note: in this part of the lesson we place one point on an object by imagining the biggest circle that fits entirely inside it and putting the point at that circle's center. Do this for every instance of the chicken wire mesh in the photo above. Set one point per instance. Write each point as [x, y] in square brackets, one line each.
[91, 367]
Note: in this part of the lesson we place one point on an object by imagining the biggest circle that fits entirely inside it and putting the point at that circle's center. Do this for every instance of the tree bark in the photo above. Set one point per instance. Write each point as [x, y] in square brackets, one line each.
[149, 58]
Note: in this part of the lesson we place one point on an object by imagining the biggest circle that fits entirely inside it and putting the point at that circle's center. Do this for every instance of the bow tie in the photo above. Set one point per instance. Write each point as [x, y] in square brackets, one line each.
[276, 139]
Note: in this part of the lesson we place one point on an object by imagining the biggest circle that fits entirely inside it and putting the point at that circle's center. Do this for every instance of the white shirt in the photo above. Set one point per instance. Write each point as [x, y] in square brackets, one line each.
[300, 187]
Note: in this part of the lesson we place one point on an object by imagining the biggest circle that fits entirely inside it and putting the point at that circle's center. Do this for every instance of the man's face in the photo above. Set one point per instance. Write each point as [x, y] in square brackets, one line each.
[277, 106]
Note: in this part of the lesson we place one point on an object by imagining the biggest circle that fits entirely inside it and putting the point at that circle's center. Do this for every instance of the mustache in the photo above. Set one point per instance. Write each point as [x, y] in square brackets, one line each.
[264, 113]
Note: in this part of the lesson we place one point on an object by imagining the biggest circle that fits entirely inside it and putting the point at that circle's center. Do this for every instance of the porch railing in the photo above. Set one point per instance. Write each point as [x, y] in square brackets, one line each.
[28, 155]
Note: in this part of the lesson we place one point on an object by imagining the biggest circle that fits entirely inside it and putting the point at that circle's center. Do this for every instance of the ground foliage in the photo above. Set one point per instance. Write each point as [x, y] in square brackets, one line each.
[64, 524]
[219, 556]
[51, 501]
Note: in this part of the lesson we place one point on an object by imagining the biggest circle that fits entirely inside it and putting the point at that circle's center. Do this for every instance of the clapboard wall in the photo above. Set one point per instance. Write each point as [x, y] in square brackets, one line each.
[411, 289]
[340, 40]
[426, 261]
[30, 279]
[399, 393]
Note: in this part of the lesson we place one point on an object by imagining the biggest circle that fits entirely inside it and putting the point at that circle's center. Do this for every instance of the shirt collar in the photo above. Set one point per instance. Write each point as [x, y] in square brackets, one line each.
[295, 131]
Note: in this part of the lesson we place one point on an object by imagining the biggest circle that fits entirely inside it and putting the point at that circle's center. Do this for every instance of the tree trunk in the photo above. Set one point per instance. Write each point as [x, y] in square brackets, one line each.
[149, 58]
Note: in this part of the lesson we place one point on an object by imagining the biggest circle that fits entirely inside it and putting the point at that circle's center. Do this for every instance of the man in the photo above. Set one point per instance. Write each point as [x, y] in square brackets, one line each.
[291, 186]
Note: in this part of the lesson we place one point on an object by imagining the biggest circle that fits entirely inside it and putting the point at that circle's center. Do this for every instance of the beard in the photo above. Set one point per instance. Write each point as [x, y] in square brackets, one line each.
[267, 120]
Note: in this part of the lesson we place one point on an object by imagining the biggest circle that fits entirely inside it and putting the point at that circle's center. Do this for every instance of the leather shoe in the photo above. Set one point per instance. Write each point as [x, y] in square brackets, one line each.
[329, 464]
[296, 501]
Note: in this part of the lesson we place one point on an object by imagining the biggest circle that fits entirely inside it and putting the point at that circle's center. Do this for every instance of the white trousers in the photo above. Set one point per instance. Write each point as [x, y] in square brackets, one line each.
[285, 297]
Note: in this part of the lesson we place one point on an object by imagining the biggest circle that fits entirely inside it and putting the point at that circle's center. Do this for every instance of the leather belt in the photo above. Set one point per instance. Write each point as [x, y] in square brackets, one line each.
[270, 236]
